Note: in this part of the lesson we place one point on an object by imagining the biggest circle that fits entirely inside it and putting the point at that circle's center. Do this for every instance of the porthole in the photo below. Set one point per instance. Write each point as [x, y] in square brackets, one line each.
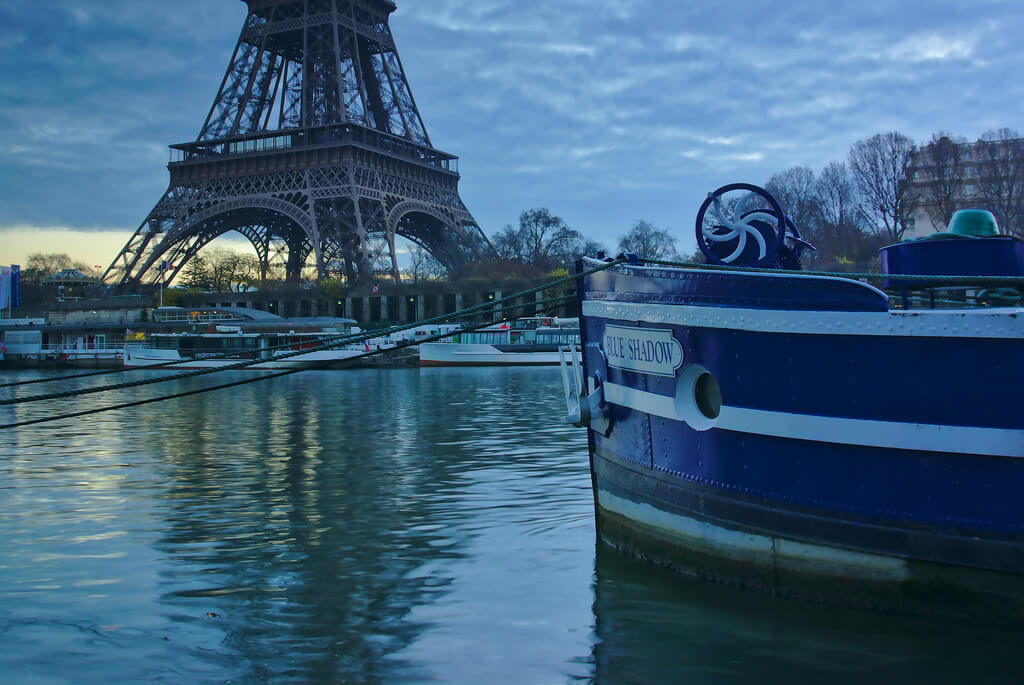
[698, 400]
[708, 395]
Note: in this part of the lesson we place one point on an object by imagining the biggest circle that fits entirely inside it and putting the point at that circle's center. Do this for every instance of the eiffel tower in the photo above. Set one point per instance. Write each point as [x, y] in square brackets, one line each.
[313, 146]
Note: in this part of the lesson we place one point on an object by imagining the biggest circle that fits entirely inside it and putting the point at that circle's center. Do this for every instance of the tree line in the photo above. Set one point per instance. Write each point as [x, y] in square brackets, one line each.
[40, 266]
[848, 210]
[886, 184]
[220, 269]
[542, 243]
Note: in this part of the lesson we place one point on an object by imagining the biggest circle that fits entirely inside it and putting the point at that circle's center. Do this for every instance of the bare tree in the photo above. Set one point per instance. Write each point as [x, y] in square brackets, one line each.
[225, 267]
[879, 168]
[839, 239]
[1001, 177]
[40, 266]
[576, 248]
[547, 238]
[424, 266]
[196, 274]
[510, 246]
[795, 190]
[649, 242]
[837, 195]
[542, 240]
[940, 177]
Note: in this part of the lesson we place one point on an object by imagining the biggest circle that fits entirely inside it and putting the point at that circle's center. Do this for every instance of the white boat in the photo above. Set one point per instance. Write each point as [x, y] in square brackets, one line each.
[526, 341]
[226, 345]
[411, 335]
[22, 346]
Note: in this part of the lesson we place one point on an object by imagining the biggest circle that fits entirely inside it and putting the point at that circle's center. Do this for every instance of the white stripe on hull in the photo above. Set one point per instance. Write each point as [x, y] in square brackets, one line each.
[756, 549]
[944, 323]
[1003, 442]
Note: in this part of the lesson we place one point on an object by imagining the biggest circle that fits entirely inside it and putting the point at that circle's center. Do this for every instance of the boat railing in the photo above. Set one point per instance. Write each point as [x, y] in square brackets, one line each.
[904, 291]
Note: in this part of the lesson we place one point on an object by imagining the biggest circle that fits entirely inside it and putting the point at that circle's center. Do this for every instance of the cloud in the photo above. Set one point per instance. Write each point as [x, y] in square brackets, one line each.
[604, 111]
[921, 48]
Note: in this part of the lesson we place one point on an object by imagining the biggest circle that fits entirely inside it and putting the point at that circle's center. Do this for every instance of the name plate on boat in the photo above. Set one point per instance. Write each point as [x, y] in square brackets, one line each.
[644, 350]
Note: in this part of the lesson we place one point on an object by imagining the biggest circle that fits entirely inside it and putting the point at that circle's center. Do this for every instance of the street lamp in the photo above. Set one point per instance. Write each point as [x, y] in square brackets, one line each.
[163, 270]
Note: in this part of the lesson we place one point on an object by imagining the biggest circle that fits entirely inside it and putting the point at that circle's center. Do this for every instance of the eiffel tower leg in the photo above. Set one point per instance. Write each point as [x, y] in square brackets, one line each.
[264, 257]
[296, 258]
[362, 254]
[314, 233]
[395, 273]
[318, 254]
[128, 267]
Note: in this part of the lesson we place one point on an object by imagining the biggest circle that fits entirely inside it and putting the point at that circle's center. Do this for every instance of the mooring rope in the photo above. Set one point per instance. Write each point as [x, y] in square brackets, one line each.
[564, 299]
[325, 342]
[948, 278]
[332, 343]
[329, 342]
[472, 311]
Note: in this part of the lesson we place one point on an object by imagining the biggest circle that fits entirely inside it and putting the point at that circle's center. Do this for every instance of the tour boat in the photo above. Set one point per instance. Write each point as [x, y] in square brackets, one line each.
[530, 340]
[220, 346]
[812, 435]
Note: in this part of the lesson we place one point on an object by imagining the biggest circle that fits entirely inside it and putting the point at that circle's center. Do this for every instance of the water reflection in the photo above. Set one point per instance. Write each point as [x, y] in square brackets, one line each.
[321, 520]
[310, 521]
[378, 526]
[651, 625]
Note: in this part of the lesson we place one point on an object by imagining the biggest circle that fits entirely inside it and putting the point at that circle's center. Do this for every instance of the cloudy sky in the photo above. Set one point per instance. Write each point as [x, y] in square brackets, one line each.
[604, 111]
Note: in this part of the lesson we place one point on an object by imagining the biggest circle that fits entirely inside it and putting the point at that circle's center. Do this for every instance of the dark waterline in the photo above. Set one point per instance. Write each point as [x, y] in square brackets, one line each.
[414, 525]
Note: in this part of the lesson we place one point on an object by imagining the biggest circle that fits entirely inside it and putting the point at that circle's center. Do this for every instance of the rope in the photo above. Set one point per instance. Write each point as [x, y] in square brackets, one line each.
[52, 379]
[327, 342]
[894, 277]
[277, 374]
[333, 342]
[340, 339]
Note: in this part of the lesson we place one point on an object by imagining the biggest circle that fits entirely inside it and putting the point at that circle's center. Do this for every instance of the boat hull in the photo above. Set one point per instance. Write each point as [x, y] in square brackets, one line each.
[143, 358]
[457, 354]
[856, 456]
[767, 546]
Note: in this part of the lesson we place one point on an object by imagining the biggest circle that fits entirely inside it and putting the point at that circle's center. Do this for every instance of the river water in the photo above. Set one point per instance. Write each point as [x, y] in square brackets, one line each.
[378, 526]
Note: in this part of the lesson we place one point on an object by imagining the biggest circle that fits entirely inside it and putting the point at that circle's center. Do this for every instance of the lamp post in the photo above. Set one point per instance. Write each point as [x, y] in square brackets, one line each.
[163, 270]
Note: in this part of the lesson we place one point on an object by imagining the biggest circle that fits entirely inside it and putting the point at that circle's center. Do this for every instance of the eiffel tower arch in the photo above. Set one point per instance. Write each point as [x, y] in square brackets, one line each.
[314, 146]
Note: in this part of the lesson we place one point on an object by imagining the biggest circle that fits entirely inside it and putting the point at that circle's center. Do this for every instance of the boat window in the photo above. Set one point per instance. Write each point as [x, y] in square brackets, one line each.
[558, 337]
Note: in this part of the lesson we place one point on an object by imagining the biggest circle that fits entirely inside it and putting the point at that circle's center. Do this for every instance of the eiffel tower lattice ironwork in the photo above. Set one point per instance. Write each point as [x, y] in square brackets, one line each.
[313, 146]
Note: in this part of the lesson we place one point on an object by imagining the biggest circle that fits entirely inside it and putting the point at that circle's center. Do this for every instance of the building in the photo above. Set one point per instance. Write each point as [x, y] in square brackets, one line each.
[946, 175]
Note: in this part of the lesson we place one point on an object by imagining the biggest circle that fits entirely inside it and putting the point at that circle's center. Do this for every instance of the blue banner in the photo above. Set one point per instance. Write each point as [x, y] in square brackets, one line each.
[5, 287]
[15, 285]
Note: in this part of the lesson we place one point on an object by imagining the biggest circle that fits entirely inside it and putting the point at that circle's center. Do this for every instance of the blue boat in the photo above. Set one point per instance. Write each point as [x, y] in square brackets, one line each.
[812, 435]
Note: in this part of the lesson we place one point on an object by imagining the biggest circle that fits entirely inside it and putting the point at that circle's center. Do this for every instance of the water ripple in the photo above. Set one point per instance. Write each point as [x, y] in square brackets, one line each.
[367, 526]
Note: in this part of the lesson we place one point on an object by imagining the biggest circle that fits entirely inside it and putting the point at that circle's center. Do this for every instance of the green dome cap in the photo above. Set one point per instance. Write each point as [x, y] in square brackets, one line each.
[973, 222]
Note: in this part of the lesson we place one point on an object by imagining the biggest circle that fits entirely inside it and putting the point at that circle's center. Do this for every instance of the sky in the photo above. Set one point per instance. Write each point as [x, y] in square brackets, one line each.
[606, 112]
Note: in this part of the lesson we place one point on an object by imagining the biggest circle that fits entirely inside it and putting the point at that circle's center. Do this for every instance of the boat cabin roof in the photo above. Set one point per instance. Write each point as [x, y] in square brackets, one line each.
[243, 315]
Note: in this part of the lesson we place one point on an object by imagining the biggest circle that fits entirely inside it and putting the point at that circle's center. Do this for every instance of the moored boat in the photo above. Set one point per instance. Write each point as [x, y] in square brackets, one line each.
[810, 435]
[220, 346]
[527, 341]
